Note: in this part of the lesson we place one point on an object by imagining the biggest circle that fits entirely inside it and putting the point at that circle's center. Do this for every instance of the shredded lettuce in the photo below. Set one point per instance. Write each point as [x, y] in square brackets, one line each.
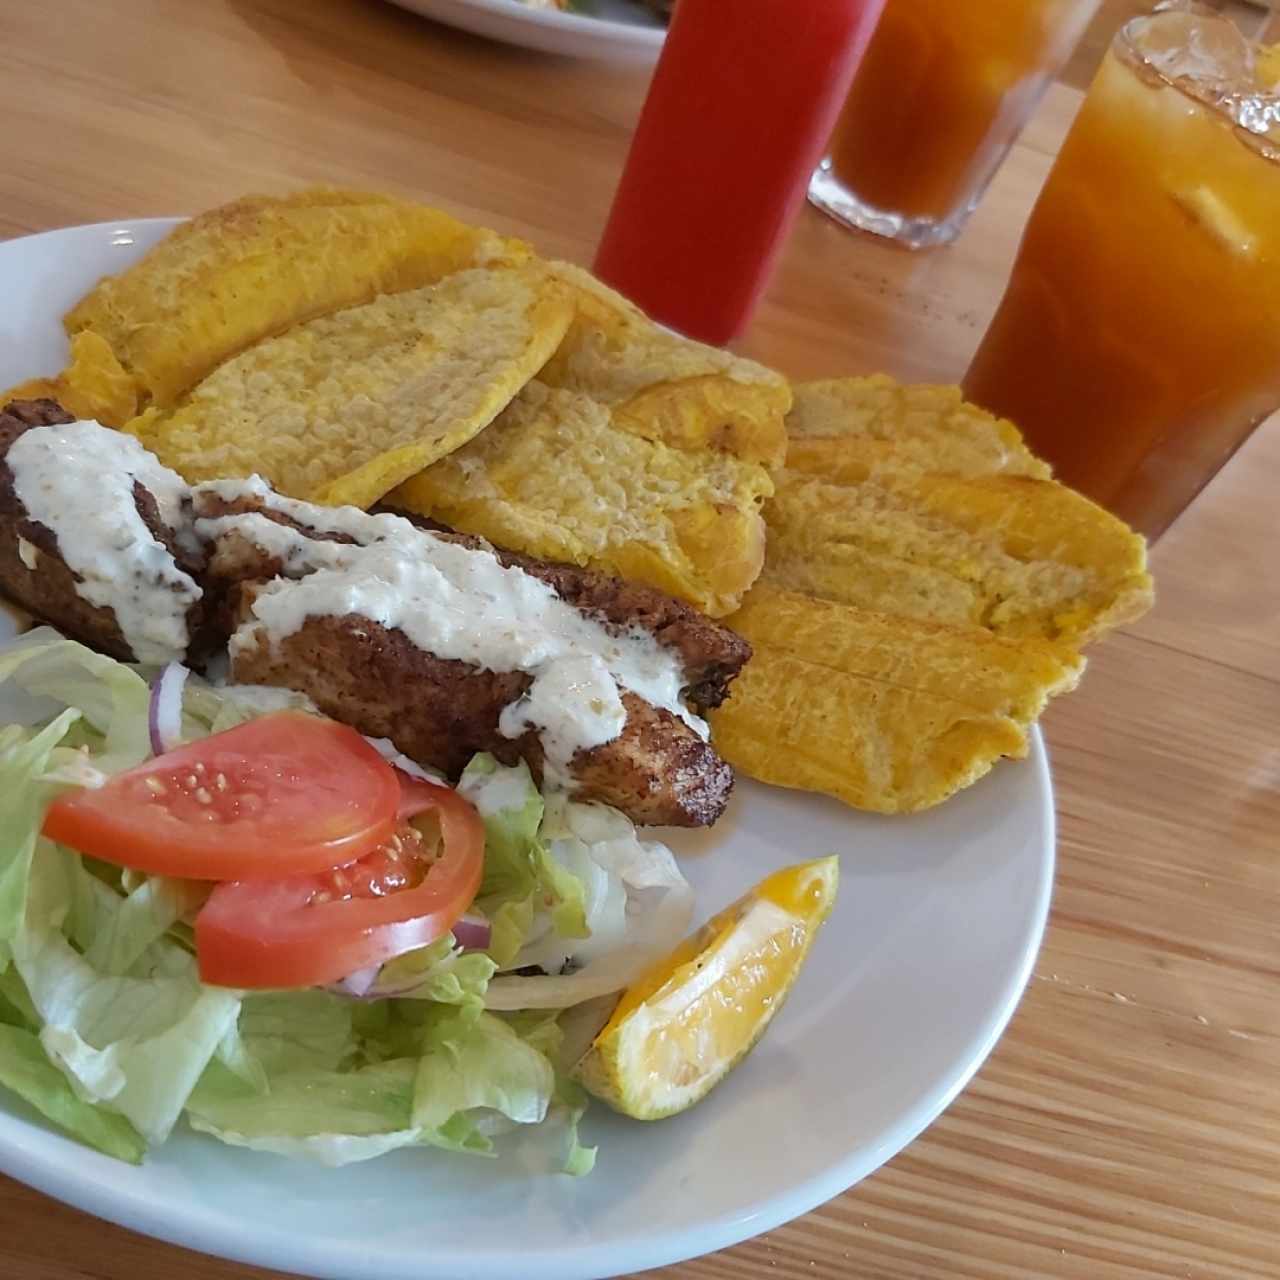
[333, 1117]
[106, 1029]
[638, 907]
[441, 972]
[519, 877]
[24, 756]
[25, 1069]
[112, 697]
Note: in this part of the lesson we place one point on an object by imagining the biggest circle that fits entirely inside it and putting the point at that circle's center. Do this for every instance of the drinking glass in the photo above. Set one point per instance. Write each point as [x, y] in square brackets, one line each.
[944, 90]
[1138, 342]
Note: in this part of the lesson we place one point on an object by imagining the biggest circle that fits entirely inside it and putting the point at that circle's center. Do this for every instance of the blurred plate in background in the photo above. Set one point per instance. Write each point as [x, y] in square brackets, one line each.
[612, 28]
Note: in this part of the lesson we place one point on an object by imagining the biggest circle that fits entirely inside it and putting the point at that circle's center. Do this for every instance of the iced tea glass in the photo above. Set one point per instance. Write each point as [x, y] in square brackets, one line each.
[944, 90]
[1138, 342]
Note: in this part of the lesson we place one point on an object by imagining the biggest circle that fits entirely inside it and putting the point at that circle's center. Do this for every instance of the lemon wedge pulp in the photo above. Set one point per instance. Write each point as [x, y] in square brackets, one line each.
[686, 1023]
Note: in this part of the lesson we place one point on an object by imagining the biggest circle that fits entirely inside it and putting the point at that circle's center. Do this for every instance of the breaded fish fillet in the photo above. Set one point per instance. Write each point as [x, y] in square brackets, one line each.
[100, 609]
[438, 710]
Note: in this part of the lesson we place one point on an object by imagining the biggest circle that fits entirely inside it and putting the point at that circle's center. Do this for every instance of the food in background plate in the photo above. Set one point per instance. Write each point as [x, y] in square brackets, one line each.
[254, 268]
[342, 408]
[682, 1026]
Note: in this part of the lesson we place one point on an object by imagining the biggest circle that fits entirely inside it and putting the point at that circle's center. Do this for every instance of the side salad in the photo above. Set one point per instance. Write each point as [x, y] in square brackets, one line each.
[331, 983]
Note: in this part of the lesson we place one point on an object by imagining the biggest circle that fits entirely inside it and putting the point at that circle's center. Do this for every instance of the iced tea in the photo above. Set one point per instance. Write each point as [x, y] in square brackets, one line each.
[1138, 343]
[944, 90]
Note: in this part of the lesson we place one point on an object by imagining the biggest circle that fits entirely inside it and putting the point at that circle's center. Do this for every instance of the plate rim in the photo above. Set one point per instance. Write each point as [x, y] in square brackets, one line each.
[206, 1231]
[607, 36]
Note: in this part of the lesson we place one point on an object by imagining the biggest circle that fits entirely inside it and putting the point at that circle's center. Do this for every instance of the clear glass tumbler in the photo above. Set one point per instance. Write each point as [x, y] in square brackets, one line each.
[1138, 342]
[944, 90]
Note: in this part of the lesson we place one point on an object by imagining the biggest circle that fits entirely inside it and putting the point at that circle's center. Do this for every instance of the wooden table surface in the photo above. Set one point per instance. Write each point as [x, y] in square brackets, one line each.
[1129, 1123]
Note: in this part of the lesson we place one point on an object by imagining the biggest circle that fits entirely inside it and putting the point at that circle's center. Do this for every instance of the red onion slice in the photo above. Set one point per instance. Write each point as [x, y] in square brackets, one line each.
[357, 984]
[472, 933]
[164, 712]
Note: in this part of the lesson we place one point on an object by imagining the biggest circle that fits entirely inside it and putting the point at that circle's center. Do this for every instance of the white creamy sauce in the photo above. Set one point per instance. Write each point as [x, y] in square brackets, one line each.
[77, 480]
[572, 700]
[455, 602]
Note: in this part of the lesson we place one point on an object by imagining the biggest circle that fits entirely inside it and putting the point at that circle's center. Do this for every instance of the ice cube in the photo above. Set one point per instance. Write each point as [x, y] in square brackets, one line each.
[1208, 56]
[1184, 42]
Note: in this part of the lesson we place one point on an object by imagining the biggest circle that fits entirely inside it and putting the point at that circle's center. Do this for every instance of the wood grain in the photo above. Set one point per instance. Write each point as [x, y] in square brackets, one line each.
[1128, 1125]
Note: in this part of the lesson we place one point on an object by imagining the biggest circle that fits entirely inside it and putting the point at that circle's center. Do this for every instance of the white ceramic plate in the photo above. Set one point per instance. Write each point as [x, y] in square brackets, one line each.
[906, 991]
[614, 28]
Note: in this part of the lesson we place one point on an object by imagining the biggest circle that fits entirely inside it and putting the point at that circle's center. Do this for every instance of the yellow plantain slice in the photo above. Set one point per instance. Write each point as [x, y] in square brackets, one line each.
[341, 409]
[1017, 555]
[888, 714]
[848, 430]
[259, 265]
[660, 386]
[635, 451]
[92, 386]
[554, 478]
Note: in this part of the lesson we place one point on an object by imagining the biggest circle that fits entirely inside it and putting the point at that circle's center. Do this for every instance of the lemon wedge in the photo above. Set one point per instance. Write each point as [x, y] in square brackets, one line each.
[684, 1025]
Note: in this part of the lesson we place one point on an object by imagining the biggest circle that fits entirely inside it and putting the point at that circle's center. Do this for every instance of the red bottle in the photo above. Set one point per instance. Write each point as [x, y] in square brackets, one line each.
[742, 103]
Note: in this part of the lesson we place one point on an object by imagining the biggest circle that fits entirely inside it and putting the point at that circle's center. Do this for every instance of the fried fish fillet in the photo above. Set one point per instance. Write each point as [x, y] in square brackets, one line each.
[342, 408]
[888, 714]
[34, 572]
[634, 452]
[441, 711]
[259, 265]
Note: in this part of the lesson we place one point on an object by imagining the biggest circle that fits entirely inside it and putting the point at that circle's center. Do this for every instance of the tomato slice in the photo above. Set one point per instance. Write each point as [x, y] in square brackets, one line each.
[286, 794]
[310, 930]
[417, 795]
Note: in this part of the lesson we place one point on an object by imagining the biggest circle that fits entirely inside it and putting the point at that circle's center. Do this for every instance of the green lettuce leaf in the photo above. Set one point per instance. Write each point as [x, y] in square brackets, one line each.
[24, 756]
[290, 1031]
[477, 1061]
[441, 972]
[111, 696]
[571, 1102]
[26, 1070]
[520, 877]
[333, 1117]
[139, 1044]
[123, 937]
